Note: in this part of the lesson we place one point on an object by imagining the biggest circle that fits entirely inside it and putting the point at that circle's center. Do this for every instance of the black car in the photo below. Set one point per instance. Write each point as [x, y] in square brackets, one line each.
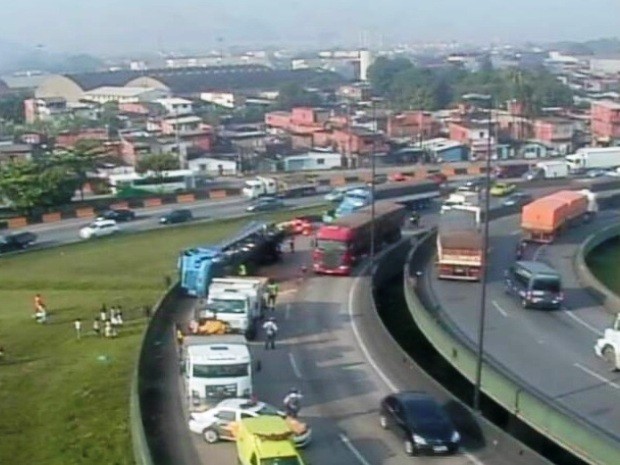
[118, 215]
[421, 422]
[16, 241]
[266, 204]
[176, 216]
[517, 199]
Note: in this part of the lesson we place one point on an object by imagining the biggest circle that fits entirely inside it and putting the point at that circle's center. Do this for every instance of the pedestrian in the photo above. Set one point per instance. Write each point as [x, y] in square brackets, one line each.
[243, 271]
[272, 294]
[41, 314]
[38, 302]
[180, 336]
[103, 313]
[97, 326]
[112, 316]
[291, 244]
[119, 316]
[271, 331]
[292, 403]
[109, 330]
[77, 324]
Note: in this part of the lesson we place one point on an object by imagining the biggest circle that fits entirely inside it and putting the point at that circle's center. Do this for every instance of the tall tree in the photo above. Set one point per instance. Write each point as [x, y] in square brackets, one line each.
[157, 163]
[383, 71]
[294, 95]
[12, 108]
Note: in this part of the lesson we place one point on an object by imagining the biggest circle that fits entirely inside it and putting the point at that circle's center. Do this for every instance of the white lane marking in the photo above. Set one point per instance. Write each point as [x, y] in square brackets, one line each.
[499, 308]
[388, 382]
[358, 455]
[516, 232]
[583, 323]
[597, 376]
[539, 251]
[291, 358]
[287, 312]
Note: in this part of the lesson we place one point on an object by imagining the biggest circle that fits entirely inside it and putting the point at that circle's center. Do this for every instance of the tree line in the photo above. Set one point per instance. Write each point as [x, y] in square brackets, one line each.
[409, 87]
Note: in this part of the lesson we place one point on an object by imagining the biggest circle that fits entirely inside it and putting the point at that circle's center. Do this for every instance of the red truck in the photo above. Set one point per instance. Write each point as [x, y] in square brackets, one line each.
[459, 244]
[543, 219]
[341, 244]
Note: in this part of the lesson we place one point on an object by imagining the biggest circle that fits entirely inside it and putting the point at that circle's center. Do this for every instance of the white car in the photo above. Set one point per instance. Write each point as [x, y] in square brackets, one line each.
[218, 423]
[99, 228]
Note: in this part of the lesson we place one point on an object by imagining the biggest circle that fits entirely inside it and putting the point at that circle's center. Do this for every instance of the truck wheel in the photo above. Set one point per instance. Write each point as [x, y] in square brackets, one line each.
[210, 436]
[609, 354]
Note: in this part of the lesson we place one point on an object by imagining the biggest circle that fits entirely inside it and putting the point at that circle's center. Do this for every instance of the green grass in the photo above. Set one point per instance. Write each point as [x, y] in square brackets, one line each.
[604, 262]
[65, 401]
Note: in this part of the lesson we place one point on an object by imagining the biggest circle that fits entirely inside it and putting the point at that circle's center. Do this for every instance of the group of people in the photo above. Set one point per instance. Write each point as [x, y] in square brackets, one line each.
[108, 322]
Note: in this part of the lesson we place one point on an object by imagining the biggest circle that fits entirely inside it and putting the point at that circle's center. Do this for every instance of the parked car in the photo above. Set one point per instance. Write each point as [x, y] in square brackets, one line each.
[118, 215]
[266, 204]
[517, 198]
[16, 241]
[398, 177]
[439, 178]
[420, 421]
[218, 423]
[180, 215]
[99, 228]
[501, 189]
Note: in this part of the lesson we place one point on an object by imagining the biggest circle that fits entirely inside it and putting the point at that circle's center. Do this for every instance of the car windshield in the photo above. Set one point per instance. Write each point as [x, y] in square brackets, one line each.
[331, 246]
[547, 284]
[226, 306]
[280, 461]
[221, 371]
[267, 409]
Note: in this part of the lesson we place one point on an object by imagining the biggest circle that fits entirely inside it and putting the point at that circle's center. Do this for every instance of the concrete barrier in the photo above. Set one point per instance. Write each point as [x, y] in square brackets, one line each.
[522, 400]
[219, 194]
[51, 217]
[119, 206]
[186, 198]
[86, 212]
[152, 202]
[337, 181]
[588, 281]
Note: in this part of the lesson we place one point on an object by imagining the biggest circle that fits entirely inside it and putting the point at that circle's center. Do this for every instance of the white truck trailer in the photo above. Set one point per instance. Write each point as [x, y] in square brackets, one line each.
[588, 158]
[548, 170]
[608, 346]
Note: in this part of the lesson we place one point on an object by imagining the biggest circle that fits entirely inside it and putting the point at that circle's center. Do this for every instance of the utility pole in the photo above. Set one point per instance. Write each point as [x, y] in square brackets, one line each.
[372, 183]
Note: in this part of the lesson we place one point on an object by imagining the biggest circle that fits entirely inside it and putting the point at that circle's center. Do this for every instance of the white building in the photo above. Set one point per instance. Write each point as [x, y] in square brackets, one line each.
[124, 94]
[610, 65]
[223, 99]
[176, 106]
[212, 166]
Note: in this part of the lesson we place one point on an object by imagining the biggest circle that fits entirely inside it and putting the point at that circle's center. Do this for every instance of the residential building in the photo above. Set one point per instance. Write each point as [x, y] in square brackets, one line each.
[536, 149]
[555, 132]
[10, 152]
[108, 94]
[475, 135]
[412, 124]
[224, 99]
[313, 161]
[213, 166]
[446, 150]
[44, 109]
[357, 141]
[180, 125]
[609, 65]
[605, 122]
[68, 139]
[176, 106]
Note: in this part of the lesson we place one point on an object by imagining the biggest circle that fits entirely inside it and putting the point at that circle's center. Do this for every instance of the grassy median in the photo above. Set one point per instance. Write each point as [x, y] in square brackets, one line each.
[62, 400]
[603, 262]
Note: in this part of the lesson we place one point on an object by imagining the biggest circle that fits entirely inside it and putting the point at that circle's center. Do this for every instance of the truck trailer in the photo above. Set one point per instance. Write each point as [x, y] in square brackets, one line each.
[341, 244]
[552, 169]
[594, 158]
[459, 244]
[543, 219]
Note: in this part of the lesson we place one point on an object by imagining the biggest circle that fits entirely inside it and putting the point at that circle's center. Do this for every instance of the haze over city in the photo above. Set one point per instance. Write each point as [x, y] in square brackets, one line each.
[117, 26]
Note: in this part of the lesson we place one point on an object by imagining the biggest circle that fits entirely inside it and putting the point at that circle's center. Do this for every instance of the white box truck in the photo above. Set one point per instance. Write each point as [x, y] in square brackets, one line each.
[215, 367]
[460, 199]
[548, 170]
[240, 302]
[594, 158]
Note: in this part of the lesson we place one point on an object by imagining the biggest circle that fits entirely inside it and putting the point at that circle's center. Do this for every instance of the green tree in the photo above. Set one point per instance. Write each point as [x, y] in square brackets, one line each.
[157, 163]
[294, 95]
[383, 72]
[12, 108]
[83, 159]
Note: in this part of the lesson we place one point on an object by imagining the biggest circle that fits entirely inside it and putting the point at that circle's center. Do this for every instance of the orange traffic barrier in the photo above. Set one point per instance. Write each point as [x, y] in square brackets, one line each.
[18, 222]
[86, 212]
[153, 202]
[120, 206]
[447, 170]
[51, 217]
[219, 194]
[337, 181]
[185, 198]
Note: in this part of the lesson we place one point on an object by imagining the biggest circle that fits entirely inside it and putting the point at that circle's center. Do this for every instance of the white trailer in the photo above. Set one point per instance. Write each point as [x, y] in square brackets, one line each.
[548, 170]
[608, 347]
[594, 158]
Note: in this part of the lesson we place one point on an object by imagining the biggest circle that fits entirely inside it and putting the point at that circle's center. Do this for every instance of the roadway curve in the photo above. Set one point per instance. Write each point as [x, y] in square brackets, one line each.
[334, 348]
[561, 342]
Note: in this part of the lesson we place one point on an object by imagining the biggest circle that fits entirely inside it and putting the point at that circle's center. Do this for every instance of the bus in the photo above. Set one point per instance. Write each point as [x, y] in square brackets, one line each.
[166, 182]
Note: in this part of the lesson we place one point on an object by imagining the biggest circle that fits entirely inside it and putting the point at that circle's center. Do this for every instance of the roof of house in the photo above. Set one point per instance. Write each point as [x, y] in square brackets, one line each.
[202, 79]
[14, 148]
[608, 104]
[119, 91]
[25, 81]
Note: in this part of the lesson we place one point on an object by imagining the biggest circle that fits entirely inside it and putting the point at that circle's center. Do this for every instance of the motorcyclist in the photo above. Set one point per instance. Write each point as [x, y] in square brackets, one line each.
[414, 218]
[292, 403]
[520, 252]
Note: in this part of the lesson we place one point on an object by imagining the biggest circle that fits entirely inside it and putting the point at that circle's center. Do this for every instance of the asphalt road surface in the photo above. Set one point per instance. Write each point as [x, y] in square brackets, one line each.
[560, 342]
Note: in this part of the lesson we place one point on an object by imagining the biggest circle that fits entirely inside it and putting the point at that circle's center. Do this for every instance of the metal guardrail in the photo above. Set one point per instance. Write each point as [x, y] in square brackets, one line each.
[574, 433]
[588, 281]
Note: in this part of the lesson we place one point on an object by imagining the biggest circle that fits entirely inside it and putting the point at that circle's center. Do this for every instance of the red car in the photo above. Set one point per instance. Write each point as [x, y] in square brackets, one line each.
[439, 178]
[398, 177]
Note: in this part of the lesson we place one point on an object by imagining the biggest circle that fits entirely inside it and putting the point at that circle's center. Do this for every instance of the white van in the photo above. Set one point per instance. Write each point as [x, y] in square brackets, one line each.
[99, 228]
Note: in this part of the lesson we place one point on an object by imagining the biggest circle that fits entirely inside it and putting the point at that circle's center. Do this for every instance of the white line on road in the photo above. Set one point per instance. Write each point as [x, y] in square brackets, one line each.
[499, 308]
[287, 312]
[516, 232]
[358, 455]
[291, 357]
[582, 322]
[538, 252]
[597, 376]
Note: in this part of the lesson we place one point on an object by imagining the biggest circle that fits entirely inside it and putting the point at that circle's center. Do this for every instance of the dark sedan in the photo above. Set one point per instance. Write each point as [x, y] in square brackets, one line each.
[421, 422]
[266, 204]
[16, 241]
[118, 215]
[176, 216]
[517, 199]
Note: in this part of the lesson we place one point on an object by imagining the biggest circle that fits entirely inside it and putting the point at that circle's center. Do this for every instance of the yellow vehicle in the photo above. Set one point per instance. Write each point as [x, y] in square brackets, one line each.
[266, 440]
[501, 189]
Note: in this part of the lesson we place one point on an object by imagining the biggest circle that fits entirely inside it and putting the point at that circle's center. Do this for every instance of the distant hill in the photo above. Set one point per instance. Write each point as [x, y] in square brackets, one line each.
[604, 46]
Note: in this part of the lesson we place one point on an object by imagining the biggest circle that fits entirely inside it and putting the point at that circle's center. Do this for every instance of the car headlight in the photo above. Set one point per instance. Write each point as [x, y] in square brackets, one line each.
[456, 437]
[419, 440]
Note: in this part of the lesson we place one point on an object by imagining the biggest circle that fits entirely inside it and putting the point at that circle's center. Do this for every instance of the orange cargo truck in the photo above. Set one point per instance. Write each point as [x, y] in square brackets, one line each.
[543, 219]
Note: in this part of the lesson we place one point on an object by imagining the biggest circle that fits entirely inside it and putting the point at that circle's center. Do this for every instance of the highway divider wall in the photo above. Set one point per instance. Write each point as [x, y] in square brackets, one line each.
[582, 438]
[588, 281]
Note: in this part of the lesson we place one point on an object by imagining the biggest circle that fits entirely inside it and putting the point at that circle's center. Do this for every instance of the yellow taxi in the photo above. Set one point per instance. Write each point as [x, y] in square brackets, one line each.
[501, 189]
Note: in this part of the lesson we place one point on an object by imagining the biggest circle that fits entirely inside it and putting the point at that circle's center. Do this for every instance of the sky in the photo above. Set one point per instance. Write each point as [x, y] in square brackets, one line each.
[120, 26]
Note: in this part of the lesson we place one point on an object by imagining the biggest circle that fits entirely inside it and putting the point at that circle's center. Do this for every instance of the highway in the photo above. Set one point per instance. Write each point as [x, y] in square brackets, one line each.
[560, 342]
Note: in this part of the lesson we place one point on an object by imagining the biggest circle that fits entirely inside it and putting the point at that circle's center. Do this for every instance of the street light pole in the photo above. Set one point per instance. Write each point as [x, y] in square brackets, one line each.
[485, 252]
[372, 184]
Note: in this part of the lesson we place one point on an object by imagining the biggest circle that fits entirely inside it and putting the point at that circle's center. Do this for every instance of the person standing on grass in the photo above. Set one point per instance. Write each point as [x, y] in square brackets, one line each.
[119, 316]
[103, 313]
[77, 324]
[97, 326]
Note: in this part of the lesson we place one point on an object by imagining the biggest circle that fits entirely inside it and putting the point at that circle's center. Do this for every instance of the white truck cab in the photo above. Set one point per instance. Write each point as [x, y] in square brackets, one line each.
[216, 367]
[608, 347]
[260, 186]
[460, 199]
